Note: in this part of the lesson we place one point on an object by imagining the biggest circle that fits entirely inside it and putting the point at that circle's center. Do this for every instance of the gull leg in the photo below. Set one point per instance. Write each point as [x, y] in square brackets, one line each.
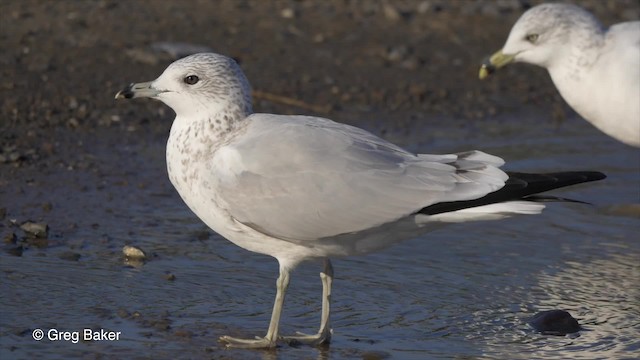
[324, 333]
[269, 341]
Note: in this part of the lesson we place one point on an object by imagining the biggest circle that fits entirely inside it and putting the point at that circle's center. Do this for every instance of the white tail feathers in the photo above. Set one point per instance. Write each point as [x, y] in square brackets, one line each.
[486, 212]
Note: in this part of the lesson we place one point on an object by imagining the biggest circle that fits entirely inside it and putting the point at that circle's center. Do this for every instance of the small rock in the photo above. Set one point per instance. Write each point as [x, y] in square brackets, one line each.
[133, 252]
[73, 123]
[39, 230]
[397, 53]
[169, 276]
[124, 314]
[135, 263]
[390, 12]
[410, 63]
[554, 322]
[15, 156]
[287, 13]
[73, 103]
[423, 7]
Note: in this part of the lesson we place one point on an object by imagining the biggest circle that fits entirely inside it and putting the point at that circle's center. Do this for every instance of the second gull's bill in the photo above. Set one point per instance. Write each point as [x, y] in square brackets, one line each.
[302, 187]
[596, 71]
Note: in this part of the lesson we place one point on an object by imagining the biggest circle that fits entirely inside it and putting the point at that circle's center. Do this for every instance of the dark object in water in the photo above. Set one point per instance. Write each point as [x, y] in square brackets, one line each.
[555, 322]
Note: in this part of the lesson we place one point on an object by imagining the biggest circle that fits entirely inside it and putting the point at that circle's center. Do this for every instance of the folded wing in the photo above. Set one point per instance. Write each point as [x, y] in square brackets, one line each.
[302, 178]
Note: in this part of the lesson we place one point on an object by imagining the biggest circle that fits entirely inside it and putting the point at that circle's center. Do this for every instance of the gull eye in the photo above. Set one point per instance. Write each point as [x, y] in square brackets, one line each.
[191, 79]
[532, 38]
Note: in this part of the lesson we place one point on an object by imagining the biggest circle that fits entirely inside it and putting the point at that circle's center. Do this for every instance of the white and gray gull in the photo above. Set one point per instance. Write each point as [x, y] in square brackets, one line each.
[596, 70]
[303, 187]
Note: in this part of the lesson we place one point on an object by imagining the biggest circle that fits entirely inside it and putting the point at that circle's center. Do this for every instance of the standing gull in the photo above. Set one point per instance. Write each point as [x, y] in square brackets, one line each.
[302, 187]
[596, 71]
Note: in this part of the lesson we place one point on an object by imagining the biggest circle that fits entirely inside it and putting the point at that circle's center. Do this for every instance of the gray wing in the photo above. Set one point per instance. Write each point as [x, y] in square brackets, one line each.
[302, 178]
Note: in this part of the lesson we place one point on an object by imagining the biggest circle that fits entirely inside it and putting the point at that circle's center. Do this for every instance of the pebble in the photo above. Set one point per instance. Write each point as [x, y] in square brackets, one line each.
[554, 322]
[169, 276]
[73, 103]
[423, 7]
[73, 123]
[287, 13]
[133, 252]
[390, 12]
[39, 230]
[122, 313]
[397, 53]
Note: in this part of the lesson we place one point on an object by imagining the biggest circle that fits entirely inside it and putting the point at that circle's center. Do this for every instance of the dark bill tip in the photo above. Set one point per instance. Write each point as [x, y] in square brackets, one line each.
[126, 93]
[486, 69]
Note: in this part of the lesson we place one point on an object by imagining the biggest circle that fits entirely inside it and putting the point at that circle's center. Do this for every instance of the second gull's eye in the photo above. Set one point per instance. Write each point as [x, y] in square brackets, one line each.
[532, 38]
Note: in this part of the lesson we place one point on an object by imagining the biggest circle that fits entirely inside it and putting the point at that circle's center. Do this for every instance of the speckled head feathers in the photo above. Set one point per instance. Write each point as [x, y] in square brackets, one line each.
[544, 32]
[557, 17]
[204, 82]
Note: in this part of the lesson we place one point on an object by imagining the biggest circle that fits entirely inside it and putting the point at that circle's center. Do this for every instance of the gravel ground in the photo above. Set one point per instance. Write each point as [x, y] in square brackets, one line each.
[62, 62]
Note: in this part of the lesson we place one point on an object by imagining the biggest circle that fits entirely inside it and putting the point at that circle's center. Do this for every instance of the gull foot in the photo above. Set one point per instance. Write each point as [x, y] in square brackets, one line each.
[321, 338]
[257, 343]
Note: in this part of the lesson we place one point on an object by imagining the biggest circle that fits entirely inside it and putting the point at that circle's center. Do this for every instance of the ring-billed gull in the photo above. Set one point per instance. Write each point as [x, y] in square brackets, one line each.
[597, 71]
[302, 187]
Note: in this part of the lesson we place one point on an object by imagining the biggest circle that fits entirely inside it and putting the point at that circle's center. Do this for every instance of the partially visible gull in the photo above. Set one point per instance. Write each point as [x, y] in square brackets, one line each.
[302, 187]
[597, 71]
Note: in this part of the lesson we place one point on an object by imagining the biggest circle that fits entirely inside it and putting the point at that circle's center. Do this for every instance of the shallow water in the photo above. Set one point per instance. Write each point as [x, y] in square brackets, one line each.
[463, 292]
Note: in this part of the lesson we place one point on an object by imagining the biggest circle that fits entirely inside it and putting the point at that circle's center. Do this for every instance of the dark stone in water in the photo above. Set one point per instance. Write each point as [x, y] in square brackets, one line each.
[555, 322]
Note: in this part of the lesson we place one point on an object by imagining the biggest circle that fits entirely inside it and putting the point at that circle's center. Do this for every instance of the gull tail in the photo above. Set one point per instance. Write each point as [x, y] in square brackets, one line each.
[520, 188]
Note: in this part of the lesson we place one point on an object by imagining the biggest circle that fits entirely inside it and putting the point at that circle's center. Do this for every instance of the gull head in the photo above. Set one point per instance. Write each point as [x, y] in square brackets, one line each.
[543, 35]
[199, 83]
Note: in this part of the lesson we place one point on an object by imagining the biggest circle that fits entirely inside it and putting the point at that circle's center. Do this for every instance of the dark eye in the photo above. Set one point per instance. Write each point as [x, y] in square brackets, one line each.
[191, 79]
[532, 38]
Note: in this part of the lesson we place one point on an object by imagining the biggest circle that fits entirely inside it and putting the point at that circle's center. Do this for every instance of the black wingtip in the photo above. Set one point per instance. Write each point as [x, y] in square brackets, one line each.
[521, 186]
[595, 175]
